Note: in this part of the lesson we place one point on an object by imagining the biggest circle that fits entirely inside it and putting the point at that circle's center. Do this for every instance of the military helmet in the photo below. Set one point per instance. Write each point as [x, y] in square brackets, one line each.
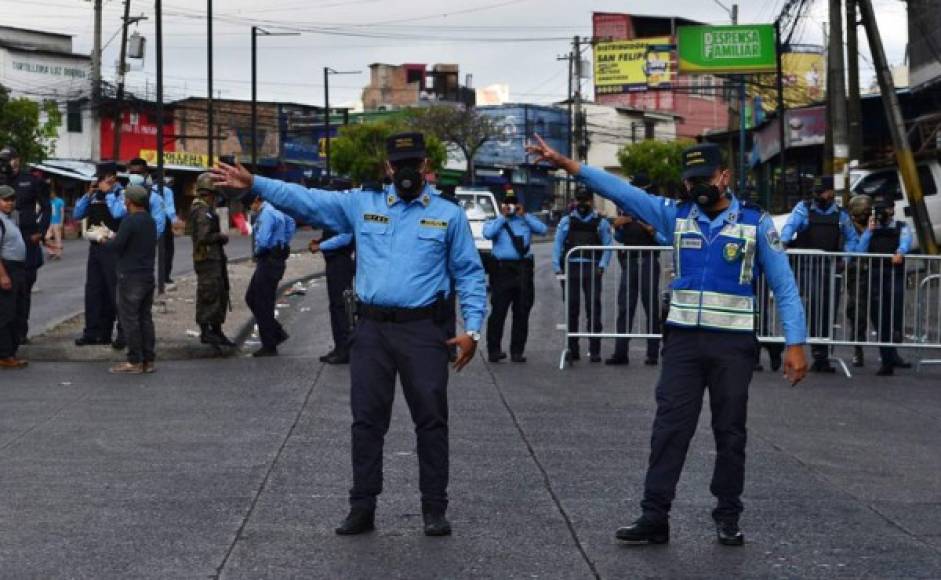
[205, 184]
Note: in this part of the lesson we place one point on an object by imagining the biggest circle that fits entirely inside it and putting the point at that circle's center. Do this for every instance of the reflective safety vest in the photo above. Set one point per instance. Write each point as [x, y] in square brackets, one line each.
[713, 287]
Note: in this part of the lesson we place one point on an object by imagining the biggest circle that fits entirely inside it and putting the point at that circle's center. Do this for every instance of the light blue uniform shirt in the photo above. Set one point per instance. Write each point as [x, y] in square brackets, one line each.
[407, 252]
[661, 214]
[503, 248]
[169, 203]
[905, 238]
[562, 232]
[337, 242]
[272, 229]
[800, 219]
[114, 199]
[157, 212]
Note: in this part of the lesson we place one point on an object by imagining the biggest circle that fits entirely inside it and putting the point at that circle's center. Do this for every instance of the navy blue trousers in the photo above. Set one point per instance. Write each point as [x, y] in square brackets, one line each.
[101, 280]
[416, 353]
[340, 271]
[695, 360]
[261, 297]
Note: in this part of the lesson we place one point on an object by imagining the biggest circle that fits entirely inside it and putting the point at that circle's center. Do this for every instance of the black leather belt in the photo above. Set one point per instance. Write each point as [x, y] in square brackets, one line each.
[392, 314]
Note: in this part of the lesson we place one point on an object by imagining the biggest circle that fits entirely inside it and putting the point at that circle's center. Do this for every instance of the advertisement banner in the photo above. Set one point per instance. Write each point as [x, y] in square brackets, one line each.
[805, 80]
[179, 158]
[625, 66]
[741, 49]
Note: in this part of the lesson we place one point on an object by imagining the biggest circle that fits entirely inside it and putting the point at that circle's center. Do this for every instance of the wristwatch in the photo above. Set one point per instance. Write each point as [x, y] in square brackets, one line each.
[475, 336]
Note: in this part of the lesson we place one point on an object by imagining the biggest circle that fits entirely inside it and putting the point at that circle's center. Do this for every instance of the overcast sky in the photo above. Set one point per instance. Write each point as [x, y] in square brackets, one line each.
[497, 41]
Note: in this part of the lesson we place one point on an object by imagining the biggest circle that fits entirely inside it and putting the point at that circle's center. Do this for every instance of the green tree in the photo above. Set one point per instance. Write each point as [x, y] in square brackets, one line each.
[359, 151]
[463, 127]
[661, 160]
[21, 126]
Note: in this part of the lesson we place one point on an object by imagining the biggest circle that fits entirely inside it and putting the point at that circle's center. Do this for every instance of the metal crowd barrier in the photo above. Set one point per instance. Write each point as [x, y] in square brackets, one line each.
[849, 299]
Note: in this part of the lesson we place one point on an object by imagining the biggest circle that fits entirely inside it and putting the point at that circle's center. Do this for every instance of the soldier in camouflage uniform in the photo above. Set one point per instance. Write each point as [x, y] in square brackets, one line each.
[210, 264]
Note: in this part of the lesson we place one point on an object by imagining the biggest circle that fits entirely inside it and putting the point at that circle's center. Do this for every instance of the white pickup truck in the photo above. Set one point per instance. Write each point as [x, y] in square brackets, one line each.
[480, 206]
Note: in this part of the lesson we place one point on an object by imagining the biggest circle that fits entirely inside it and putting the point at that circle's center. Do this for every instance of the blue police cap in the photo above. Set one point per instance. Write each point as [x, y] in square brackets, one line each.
[701, 160]
[106, 168]
[824, 183]
[406, 146]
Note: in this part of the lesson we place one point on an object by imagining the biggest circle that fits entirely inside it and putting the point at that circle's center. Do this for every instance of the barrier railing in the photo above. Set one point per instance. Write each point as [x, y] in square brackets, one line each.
[850, 300]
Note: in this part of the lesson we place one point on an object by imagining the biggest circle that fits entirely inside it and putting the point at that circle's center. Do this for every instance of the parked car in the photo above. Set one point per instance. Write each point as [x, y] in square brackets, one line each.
[480, 206]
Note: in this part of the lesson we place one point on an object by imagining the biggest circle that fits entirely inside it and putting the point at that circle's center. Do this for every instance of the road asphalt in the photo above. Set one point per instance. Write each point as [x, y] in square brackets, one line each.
[239, 468]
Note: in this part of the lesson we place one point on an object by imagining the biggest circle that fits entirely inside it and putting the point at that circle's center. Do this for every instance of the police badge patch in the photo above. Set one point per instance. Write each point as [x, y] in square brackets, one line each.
[774, 240]
[732, 252]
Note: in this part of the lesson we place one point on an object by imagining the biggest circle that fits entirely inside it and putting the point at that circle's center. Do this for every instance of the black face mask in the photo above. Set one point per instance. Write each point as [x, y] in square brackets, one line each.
[705, 194]
[408, 180]
[584, 208]
[823, 204]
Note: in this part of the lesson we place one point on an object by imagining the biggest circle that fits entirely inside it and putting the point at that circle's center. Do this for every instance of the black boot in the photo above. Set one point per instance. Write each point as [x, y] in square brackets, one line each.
[223, 339]
[207, 336]
[729, 534]
[775, 356]
[435, 523]
[358, 521]
[645, 531]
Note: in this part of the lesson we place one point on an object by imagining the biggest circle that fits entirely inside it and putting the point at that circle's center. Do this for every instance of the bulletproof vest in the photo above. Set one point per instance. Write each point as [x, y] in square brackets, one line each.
[583, 233]
[634, 234]
[26, 201]
[99, 214]
[346, 250]
[885, 240]
[822, 232]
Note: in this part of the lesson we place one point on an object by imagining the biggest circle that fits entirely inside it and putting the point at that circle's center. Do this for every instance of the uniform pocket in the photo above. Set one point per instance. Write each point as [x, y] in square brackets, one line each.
[374, 228]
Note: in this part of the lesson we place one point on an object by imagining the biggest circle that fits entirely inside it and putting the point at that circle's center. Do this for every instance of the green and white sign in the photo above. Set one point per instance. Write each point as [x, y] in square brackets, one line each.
[743, 49]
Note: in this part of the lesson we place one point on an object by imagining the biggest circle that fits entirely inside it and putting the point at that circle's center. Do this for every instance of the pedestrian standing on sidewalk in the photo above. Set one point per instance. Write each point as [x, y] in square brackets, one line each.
[272, 233]
[12, 282]
[135, 245]
[511, 276]
[56, 221]
[409, 245]
[103, 206]
[710, 340]
[209, 263]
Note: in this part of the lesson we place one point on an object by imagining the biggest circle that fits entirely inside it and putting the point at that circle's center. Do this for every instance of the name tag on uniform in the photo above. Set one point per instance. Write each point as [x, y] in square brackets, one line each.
[429, 223]
[691, 244]
[376, 218]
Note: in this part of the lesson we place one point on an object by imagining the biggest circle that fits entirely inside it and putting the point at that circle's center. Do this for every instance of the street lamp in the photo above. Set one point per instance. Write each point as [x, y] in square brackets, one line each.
[256, 32]
[327, 71]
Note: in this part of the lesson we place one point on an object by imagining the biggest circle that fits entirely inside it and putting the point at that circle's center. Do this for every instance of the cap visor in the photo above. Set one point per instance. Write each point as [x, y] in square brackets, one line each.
[403, 155]
[698, 172]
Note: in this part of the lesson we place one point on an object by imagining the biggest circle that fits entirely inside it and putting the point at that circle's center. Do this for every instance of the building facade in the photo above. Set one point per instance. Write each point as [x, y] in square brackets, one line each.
[392, 87]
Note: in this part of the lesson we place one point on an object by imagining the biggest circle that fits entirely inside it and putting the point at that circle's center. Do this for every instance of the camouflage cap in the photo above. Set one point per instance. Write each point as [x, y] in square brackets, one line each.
[7, 192]
[205, 184]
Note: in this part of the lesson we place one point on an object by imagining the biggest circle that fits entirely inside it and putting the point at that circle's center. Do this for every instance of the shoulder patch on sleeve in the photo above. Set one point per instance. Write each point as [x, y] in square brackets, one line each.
[774, 239]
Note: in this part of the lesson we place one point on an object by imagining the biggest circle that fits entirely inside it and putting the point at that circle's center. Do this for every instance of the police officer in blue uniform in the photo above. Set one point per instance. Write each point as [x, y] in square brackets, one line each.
[710, 335]
[511, 276]
[272, 231]
[103, 206]
[409, 244]
[886, 235]
[819, 224]
[583, 227]
[337, 252]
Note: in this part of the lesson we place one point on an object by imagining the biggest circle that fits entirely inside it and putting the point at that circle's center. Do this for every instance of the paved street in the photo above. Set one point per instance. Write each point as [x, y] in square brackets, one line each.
[239, 469]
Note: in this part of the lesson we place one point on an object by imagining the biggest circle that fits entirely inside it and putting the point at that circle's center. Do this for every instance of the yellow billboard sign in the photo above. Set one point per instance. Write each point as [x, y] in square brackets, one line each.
[181, 158]
[805, 81]
[623, 66]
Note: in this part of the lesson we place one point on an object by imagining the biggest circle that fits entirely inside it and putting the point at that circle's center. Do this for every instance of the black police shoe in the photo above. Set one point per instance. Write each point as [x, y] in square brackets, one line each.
[617, 361]
[858, 358]
[595, 358]
[885, 371]
[823, 366]
[338, 358]
[729, 534]
[776, 361]
[644, 531]
[652, 361]
[573, 355]
[87, 341]
[517, 358]
[436, 524]
[327, 356]
[495, 357]
[358, 521]
[265, 351]
[758, 368]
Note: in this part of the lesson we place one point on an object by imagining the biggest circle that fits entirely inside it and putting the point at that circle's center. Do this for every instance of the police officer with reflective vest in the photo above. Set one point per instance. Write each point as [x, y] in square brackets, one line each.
[583, 227]
[271, 234]
[710, 333]
[103, 206]
[886, 235]
[819, 224]
[409, 243]
[34, 211]
[511, 276]
[640, 278]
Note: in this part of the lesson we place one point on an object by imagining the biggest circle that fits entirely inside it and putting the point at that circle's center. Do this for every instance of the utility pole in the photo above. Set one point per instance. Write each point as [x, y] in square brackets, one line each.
[742, 121]
[254, 99]
[96, 84]
[779, 49]
[854, 106]
[568, 128]
[581, 146]
[903, 151]
[327, 71]
[122, 72]
[158, 30]
[210, 128]
[837, 99]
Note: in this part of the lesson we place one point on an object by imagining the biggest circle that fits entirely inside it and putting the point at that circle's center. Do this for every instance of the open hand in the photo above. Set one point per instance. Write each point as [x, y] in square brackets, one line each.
[6, 283]
[897, 259]
[232, 176]
[795, 364]
[466, 347]
[543, 152]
